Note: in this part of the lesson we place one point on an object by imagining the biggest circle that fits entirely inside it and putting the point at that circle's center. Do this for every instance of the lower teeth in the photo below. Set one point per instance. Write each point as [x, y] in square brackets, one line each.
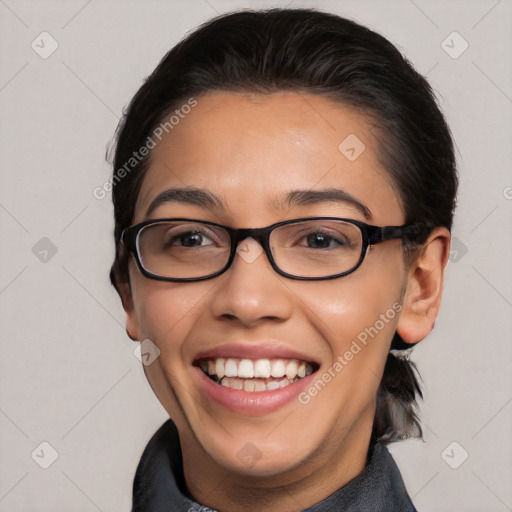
[253, 385]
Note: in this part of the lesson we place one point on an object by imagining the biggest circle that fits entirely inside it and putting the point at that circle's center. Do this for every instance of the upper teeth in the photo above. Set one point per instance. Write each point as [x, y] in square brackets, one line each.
[259, 368]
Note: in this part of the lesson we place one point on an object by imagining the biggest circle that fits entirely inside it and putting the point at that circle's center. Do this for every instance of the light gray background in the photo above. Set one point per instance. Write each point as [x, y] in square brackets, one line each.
[68, 373]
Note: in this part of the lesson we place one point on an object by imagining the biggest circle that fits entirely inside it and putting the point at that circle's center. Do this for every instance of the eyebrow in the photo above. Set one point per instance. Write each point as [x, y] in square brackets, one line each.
[208, 200]
[187, 195]
[307, 197]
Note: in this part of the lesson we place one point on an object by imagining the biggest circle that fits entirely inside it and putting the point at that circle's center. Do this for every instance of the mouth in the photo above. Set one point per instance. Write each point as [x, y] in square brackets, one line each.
[255, 375]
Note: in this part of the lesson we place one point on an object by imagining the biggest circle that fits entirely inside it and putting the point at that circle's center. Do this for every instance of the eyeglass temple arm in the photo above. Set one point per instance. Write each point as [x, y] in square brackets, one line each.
[127, 237]
[410, 232]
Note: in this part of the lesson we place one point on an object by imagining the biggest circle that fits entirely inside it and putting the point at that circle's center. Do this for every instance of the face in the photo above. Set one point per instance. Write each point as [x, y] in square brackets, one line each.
[251, 151]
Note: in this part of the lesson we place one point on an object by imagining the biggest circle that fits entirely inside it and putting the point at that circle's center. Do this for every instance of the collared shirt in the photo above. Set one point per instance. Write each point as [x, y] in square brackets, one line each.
[159, 484]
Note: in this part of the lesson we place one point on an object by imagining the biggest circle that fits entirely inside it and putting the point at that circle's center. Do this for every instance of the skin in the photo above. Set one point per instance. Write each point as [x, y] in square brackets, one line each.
[251, 149]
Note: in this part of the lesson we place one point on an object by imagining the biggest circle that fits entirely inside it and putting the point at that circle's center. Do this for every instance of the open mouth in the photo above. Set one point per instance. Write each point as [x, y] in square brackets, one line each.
[255, 375]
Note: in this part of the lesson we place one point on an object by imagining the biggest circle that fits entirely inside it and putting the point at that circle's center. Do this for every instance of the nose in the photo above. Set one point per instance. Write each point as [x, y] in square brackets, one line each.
[250, 291]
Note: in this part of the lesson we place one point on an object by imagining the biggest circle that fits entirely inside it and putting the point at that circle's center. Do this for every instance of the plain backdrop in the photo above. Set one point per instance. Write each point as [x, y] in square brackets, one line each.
[68, 374]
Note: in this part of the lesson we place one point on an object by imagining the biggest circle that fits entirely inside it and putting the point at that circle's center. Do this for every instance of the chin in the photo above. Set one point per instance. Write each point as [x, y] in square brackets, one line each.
[253, 460]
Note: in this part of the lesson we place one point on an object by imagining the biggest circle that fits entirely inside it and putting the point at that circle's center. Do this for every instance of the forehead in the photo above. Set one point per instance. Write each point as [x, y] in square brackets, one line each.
[252, 150]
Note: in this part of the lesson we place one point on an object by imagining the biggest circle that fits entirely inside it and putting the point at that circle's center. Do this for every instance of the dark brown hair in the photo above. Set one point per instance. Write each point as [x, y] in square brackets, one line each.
[308, 51]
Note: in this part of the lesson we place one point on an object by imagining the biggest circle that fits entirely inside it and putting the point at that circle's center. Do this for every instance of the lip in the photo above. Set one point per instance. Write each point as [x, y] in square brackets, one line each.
[249, 403]
[252, 351]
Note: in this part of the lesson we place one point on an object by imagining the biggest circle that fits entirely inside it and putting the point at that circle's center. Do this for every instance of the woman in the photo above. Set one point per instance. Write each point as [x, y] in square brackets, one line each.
[284, 186]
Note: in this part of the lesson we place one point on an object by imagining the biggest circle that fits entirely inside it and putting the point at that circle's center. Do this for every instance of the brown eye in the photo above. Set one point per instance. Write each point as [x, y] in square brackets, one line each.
[190, 239]
[324, 241]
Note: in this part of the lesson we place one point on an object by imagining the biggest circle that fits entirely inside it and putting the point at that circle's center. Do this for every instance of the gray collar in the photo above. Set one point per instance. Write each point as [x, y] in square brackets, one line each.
[159, 485]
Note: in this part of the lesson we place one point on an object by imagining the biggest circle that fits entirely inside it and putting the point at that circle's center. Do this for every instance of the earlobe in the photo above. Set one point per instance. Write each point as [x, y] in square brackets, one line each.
[424, 288]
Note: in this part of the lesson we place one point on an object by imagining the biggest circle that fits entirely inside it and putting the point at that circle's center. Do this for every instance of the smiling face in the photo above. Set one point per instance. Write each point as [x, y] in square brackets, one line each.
[251, 152]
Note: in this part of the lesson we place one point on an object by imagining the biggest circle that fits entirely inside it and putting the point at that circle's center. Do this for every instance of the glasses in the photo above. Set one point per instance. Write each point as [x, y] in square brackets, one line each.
[313, 248]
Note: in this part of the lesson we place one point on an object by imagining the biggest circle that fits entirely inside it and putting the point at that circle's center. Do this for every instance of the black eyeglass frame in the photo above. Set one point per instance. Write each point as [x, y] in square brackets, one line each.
[372, 235]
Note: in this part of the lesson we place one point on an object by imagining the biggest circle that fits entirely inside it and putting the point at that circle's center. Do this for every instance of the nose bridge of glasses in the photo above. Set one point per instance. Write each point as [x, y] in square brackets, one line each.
[257, 243]
[258, 234]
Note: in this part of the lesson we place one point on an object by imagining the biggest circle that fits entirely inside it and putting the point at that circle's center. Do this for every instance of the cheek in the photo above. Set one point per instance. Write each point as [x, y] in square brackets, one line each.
[362, 307]
[359, 296]
[357, 324]
[167, 311]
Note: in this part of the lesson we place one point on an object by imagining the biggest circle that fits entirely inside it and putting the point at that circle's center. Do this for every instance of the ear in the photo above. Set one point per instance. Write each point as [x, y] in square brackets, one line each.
[119, 277]
[424, 288]
[132, 323]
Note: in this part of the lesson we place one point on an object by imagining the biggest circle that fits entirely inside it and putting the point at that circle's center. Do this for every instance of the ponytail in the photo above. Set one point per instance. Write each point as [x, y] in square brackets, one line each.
[395, 416]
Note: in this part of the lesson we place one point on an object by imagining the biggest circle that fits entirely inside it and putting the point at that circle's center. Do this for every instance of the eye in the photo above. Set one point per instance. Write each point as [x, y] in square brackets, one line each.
[322, 239]
[194, 238]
